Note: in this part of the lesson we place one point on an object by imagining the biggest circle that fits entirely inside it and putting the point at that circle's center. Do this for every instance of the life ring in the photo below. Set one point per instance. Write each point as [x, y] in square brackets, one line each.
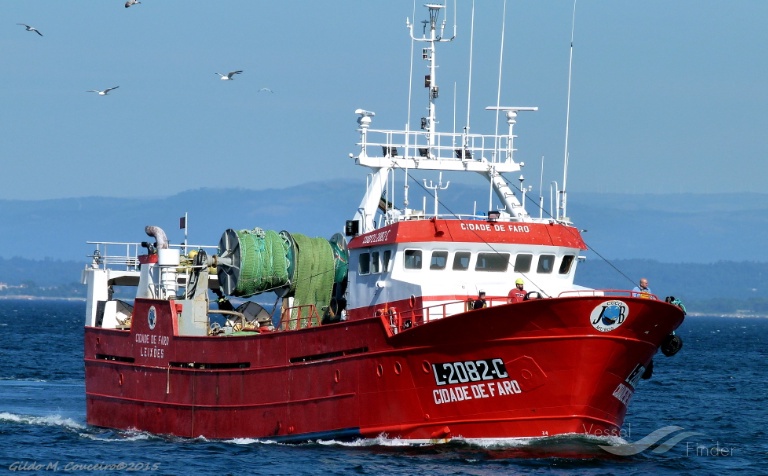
[392, 312]
[394, 319]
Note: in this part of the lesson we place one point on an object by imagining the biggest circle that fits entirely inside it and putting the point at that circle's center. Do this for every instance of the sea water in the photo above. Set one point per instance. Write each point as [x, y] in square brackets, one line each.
[702, 412]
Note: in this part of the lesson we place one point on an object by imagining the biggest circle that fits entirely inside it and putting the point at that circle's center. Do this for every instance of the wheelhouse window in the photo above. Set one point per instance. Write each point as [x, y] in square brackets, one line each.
[546, 264]
[439, 260]
[375, 262]
[364, 266]
[385, 261]
[523, 263]
[495, 262]
[461, 260]
[412, 259]
[565, 265]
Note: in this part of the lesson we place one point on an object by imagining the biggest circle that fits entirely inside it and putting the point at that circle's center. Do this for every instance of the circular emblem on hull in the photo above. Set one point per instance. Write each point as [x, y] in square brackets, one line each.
[152, 317]
[609, 315]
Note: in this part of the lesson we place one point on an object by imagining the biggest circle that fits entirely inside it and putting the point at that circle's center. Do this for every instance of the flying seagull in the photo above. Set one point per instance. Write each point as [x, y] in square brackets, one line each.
[225, 77]
[265, 90]
[102, 93]
[131, 3]
[30, 28]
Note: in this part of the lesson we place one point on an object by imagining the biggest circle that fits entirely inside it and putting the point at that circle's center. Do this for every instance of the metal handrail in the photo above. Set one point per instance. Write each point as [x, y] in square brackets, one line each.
[446, 143]
[608, 293]
[128, 254]
[410, 318]
[311, 319]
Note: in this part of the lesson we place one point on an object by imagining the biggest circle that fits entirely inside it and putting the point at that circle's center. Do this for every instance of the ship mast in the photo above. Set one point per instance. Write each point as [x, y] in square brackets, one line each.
[384, 150]
[431, 37]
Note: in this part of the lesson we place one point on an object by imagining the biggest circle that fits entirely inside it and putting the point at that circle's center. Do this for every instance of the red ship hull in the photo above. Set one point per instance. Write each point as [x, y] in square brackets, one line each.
[532, 369]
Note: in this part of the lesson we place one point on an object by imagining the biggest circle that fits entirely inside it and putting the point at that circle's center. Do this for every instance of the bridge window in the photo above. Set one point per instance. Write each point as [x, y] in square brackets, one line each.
[412, 259]
[386, 260]
[375, 262]
[565, 265]
[439, 260]
[546, 264]
[461, 260]
[496, 262]
[364, 266]
[523, 263]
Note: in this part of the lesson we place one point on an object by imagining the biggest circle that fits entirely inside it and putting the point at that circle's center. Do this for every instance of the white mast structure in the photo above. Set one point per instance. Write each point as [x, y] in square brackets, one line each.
[563, 214]
[428, 149]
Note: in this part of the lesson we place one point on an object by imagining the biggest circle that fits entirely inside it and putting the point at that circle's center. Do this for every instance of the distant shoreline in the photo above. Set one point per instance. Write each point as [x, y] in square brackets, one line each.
[22, 297]
[735, 315]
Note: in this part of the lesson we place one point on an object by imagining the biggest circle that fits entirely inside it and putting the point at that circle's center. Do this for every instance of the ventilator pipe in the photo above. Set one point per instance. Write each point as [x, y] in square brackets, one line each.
[159, 235]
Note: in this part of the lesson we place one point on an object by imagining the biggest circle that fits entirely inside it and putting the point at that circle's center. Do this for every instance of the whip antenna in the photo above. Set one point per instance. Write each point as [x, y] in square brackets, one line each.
[469, 86]
[563, 215]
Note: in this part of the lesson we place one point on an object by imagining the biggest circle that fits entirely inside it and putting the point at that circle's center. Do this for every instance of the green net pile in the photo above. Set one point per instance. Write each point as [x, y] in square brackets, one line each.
[263, 262]
[313, 279]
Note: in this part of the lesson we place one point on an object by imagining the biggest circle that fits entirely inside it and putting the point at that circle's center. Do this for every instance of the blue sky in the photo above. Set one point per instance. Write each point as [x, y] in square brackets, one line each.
[667, 96]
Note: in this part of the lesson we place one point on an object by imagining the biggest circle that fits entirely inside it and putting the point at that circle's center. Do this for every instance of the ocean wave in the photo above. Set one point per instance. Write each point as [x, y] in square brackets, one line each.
[576, 445]
[48, 420]
[99, 434]
[23, 379]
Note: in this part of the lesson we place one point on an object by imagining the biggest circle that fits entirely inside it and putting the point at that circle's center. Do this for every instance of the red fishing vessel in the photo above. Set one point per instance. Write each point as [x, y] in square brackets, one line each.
[407, 325]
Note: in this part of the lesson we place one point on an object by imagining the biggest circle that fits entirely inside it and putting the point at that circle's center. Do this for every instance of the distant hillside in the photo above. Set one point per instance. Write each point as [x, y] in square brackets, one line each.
[721, 287]
[43, 273]
[59, 229]
[674, 228]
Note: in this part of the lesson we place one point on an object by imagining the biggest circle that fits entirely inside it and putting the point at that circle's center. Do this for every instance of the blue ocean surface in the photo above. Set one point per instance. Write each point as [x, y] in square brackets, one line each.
[702, 412]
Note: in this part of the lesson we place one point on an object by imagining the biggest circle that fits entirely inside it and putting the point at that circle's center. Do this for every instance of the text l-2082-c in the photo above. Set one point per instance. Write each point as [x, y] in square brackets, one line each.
[451, 373]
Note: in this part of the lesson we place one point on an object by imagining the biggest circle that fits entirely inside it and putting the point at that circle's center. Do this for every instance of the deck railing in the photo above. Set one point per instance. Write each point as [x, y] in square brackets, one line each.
[112, 254]
[299, 317]
[409, 318]
[447, 145]
[125, 255]
[618, 293]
